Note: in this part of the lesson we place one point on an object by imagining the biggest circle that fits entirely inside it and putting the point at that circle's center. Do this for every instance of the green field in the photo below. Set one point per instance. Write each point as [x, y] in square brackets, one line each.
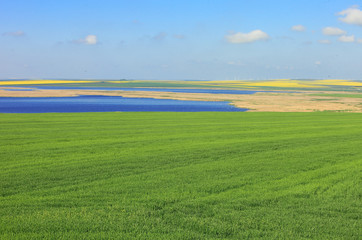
[339, 95]
[181, 176]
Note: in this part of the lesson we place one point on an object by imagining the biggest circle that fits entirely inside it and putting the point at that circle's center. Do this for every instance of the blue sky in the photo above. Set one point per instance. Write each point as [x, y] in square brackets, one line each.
[149, 39]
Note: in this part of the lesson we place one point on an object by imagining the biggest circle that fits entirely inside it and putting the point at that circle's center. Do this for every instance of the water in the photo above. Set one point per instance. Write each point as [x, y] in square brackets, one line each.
[108, 104]
[213, 91]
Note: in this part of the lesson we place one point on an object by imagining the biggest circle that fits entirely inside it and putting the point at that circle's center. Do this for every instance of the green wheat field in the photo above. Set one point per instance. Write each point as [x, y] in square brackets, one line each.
[181, 175]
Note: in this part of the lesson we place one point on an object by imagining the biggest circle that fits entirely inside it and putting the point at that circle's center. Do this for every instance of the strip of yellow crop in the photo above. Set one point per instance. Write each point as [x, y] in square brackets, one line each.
[26, 82]
[284, 83]
[294, 84]
[253, 84]
[338, 82]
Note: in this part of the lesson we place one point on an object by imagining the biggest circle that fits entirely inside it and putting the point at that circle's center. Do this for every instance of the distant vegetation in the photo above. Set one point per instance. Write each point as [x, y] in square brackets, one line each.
[283, 84]
[339, 95]
[180, 176]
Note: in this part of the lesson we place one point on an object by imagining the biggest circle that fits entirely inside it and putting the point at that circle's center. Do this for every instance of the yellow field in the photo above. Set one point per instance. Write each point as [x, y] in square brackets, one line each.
[287, 83]
[284, 83]
[338, 82]
[22, 82]
[279, 83]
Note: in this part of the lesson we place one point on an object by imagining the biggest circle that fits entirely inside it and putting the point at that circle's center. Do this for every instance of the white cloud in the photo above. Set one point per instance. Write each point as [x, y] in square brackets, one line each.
[351, 15]
[359, 40]
[345, 38]
[325, 41]
[318, 63]
[333, 31]
[14, 34]
[298, 28]
[252, 36]
[89, 40]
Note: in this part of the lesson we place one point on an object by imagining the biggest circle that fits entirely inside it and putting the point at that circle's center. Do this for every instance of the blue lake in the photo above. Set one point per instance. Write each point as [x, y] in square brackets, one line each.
[108, 104]
[182, 90]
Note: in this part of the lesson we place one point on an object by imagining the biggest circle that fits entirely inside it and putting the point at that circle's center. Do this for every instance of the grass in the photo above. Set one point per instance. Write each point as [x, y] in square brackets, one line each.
[325, 99]
[338, 95]
[180, 176]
